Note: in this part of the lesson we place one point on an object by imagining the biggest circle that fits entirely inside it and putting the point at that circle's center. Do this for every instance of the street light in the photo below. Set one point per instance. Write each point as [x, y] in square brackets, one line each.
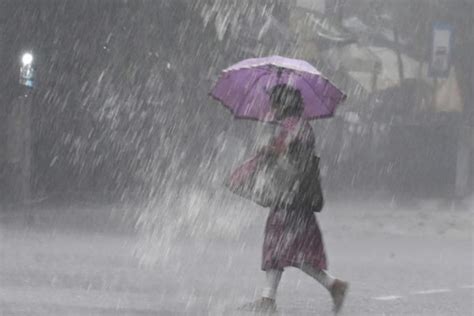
[27, 70]
[27, 59]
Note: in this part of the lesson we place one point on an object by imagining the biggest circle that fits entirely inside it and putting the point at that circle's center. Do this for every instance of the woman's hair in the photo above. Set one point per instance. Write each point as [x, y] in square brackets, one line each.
[287, 97]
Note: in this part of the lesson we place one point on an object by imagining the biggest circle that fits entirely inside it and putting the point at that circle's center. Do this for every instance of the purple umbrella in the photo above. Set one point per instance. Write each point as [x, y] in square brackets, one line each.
[245, 87]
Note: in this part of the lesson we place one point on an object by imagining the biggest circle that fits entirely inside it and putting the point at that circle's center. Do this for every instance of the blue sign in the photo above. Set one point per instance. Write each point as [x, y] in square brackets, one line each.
[441, 50]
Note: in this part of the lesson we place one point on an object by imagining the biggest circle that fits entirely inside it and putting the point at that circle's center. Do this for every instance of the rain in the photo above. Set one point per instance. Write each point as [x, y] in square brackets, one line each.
[116, 155]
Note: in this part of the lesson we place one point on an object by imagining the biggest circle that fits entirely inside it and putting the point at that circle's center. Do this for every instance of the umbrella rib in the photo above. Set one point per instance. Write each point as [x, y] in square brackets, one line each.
[250, 90]
[315, 93]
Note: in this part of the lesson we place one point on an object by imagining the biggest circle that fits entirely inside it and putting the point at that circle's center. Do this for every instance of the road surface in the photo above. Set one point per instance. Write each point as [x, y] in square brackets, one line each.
[403, 262]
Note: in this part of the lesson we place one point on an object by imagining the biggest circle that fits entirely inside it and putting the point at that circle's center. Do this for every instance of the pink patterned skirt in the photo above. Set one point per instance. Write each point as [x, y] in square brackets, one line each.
[292, 242]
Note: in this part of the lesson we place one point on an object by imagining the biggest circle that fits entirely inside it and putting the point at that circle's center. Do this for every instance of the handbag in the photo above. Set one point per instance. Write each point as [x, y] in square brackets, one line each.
[309, 195]
[265, 181]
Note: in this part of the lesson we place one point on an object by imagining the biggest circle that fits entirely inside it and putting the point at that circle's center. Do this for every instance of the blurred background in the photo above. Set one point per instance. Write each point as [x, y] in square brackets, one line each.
[121, 93]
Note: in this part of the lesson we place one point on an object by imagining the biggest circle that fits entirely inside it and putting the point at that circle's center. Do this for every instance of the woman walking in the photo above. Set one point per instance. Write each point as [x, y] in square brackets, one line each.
[292, 234]
[288, 92]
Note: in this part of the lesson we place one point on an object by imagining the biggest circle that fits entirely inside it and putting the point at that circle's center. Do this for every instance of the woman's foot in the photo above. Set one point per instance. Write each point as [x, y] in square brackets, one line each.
[338, 293]
[263, 305]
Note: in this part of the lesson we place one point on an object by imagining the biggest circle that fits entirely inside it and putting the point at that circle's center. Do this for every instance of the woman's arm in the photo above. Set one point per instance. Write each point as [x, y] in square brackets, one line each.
[274, 149]
[276, 146]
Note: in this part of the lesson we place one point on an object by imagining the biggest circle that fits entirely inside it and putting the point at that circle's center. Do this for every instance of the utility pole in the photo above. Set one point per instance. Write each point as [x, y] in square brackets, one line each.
[465, 141]
[19, 141]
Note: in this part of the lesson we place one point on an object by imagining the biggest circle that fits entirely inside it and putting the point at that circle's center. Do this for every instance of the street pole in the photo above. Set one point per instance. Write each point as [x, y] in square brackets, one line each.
[465, 141]
[19, 141]
[463, 161]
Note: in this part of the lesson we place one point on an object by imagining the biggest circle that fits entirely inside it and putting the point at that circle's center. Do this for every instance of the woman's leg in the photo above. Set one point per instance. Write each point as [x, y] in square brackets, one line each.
[273, 278]
[322, 276]
[337, 288]
[267, 302]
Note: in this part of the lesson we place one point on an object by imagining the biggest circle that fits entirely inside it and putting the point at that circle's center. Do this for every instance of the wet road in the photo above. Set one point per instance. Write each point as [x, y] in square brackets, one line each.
[393, 270]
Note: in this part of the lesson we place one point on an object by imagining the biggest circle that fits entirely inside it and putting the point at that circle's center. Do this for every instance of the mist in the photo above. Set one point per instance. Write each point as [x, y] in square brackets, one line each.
[113, 155]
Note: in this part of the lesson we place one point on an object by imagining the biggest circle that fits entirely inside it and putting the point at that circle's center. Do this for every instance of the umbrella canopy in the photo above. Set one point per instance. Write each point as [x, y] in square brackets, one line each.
[245, 87]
